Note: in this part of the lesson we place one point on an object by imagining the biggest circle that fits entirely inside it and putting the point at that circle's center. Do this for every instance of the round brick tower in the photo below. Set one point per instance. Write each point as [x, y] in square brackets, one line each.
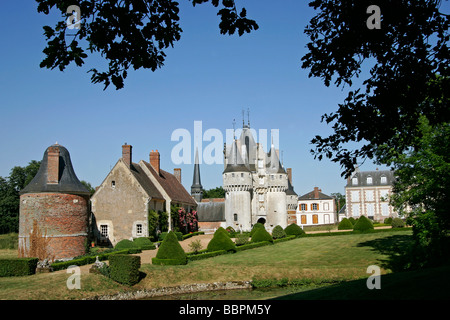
[53, 221]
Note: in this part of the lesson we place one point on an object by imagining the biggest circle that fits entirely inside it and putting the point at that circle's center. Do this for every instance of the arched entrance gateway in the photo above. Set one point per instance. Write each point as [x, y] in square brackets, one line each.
[261, 220]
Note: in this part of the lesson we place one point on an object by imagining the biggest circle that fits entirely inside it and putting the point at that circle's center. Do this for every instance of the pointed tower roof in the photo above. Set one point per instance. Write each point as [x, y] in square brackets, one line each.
[56, 175]
[235, 162]
[274, 164]
[196, 183]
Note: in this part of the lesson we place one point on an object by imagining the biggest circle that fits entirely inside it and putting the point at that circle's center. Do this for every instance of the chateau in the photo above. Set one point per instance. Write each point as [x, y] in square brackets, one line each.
[257, 187]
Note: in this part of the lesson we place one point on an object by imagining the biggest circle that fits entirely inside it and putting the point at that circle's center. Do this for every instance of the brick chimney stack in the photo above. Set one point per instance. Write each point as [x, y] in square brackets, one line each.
[316, 193]
[53, 164]
[154, 160]
[127, 154]
[177, 174]
[289, 173]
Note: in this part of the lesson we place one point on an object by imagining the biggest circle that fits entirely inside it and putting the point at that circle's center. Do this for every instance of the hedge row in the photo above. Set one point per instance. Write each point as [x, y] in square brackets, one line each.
[124, 268]
[204, 255]
[90, 259]
[11, 267]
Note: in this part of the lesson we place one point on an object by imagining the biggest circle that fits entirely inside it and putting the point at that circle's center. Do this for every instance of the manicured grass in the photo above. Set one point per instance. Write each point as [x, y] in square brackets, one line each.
[317, 259]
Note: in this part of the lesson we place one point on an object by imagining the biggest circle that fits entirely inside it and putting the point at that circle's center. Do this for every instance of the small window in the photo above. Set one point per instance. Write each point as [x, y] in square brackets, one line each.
[355, 181]
[261, 180]
[242, 174]
[261, 197]
[315, 206]
[303, 207]
[271, 177]
[104, 230]
[383, 180]
[326, 206]
[113, 184]
[139, 229]
[235, 217]
[260, 164]
[369, 180]
[232, 175]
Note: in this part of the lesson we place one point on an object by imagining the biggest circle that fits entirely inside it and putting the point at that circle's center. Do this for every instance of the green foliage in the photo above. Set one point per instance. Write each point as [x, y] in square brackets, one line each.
[363, 224]
[256, 226]
[195, 245]
[125, 244]
[144, 243]
[278, 232]
[345, 224]
[261, 235]
[9, 241]
[241, 239]
[388, 220]
[352, 220]
[218, 192]
[88, 187]
[221, 241]
[294, 230]
[153, 222]
[9, 195]
[397, 223]
[128, 34]
[220, 229]
[170, 251]
[124, 268]
[18, 266]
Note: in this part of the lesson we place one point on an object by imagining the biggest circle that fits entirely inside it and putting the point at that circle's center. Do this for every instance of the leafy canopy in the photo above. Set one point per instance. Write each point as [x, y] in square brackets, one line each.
[127, 34]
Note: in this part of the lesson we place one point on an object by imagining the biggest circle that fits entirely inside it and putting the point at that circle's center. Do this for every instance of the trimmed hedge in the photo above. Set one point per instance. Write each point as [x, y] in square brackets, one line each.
[256, 226]
[363, 224]
[12, 267]
[260, 235]
[397, 223]
[221, 241]
[125, 244]
[124, 268]
[144, 243]
[278, 232]
[345, 224]
[294, 230]
[193, 257]
[223, 231]
[170, 252]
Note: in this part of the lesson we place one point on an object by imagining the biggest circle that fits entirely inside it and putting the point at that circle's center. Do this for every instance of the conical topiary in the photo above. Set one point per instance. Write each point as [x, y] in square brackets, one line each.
[363, 224]
[170, 251]
[260, 235]
[223, 231]
[278, 232]
[345, 224]
[221, 241]
[256, 227]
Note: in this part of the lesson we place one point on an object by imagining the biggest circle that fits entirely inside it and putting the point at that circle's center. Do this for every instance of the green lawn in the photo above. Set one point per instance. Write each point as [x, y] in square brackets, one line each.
[326, 259]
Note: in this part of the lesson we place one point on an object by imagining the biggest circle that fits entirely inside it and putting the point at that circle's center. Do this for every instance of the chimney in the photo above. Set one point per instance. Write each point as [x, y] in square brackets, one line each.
[289, 173]
[177, 174]
[316, 193]
[154, 160]
[127, 154]
[53, 165]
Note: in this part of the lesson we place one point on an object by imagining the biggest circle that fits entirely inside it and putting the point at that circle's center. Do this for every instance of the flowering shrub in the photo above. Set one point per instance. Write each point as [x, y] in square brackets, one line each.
[187, 221]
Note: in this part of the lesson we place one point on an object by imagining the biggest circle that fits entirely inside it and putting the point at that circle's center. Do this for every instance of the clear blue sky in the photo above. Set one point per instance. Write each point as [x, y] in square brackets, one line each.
[207, 77]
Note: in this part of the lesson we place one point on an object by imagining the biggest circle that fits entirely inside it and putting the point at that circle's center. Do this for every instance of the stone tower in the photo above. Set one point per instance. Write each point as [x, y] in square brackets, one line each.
[238, 186]
[53, 221]
[197, 188]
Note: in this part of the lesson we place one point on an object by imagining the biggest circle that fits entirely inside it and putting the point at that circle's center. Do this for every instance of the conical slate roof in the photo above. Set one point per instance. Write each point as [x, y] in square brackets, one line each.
[196, 183]
[235, 162]
[274, 164]
[67, 180]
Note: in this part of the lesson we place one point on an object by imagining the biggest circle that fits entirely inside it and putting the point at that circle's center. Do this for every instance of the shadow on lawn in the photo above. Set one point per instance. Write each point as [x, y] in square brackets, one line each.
[397, 248]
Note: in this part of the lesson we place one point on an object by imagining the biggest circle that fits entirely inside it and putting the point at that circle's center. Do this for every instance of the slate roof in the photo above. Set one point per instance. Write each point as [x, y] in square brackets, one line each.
[172, 186]
[145, 182]
[376, 178]
[67, 181]
[311, 196]
[211, 211]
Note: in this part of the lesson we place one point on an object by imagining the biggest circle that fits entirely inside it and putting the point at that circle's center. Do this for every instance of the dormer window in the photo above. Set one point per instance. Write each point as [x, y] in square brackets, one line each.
[383, 179]
[369, 180]
[354, 181]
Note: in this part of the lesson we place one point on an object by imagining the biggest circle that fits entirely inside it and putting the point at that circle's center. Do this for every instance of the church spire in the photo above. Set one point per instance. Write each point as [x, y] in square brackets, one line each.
[196, 188]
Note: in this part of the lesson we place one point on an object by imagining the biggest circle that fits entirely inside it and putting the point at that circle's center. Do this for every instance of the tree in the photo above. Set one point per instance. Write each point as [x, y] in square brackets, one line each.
[9, 195]
[89, 187]
[125, 33]
[339, 200]
[218, 192]
[408, 77]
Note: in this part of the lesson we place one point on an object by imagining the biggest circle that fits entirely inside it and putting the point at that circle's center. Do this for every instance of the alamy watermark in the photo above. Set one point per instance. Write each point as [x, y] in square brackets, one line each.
[212, 152]
[374, 281]
[374, 21]
[74, 281]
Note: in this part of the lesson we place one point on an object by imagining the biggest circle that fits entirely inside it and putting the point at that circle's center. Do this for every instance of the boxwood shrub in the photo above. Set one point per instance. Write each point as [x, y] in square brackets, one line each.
[278, 232]
[363, 224]
[204, 255]
[124, 268]
[260, 235]
[144, 243]
[294, 230]
[221, 241]
[345, 224]
[256, 226]
[125, 244]
[170, 252]
[11, 267]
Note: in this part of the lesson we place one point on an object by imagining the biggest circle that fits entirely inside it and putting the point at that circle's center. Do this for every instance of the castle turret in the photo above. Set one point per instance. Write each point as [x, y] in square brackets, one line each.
[237, 183]
[53, 222]
[197, 188]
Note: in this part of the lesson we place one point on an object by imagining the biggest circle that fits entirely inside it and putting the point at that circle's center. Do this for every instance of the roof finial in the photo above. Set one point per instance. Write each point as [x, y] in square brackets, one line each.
[243, 118]
[234, 125]
[248, 117]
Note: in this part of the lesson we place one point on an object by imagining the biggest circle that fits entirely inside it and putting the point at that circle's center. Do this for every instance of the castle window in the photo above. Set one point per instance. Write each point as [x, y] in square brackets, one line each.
[242, 174]
[261, 197]
[232, 175]
[235, 217]
[113, 184]
[260, 164]
[261, 180]
[104, 230]
[139, 229]
[271, 177]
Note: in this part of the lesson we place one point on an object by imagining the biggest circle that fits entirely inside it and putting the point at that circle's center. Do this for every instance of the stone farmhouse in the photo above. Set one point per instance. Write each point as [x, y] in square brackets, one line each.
[120, 205]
